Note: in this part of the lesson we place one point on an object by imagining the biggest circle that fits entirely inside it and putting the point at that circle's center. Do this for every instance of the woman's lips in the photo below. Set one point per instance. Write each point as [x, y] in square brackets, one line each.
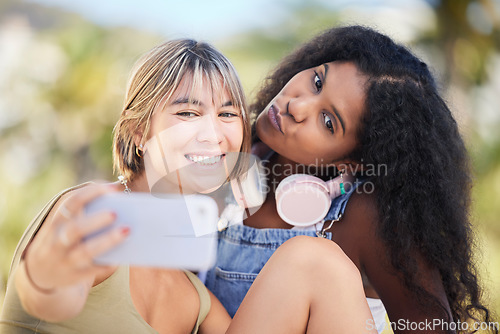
[206, 160]
[274, 118]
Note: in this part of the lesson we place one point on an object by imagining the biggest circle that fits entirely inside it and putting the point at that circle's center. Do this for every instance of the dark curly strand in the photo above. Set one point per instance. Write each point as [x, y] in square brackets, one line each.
[424, 199]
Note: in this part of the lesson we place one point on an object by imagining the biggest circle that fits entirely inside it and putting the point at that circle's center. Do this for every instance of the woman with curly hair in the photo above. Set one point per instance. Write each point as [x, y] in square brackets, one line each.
[354, 101]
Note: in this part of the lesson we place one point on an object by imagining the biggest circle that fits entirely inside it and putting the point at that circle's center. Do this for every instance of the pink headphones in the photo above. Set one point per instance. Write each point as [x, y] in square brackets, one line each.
[304, 200]
[301, 199]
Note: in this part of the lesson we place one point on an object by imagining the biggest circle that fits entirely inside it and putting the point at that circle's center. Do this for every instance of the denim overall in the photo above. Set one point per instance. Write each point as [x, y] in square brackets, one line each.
[243, 251]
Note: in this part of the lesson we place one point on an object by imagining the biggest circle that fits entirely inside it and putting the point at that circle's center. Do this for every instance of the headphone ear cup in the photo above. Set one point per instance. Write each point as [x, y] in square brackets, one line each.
[302, 200]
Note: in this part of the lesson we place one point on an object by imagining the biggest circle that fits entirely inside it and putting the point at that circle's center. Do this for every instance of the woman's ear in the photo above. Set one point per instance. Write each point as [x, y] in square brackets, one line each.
[138, 141]
[138, 138]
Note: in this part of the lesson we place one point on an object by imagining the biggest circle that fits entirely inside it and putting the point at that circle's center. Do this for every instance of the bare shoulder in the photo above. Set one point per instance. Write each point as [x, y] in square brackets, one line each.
[359, 221]
[357, 231]
[362, 207]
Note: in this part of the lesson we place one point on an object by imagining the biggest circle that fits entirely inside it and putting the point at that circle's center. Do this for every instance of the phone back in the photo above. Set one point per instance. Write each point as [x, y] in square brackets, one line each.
[172, 231]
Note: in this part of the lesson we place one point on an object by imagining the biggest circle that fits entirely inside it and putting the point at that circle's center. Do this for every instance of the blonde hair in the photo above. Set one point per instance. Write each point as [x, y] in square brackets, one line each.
[153, 80]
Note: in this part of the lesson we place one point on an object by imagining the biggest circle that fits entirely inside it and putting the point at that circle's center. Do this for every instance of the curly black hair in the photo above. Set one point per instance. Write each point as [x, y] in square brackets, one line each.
[424, 198]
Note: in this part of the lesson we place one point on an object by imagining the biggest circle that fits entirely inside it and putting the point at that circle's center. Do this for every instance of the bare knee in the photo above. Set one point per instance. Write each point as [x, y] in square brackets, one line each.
[319, 257]
[311, 247]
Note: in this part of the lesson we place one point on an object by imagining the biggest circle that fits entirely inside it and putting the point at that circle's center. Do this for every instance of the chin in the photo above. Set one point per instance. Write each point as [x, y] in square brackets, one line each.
[261, 132]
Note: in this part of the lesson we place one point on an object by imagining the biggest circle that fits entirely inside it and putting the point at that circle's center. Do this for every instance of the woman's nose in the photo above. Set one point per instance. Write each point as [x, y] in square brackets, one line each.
[210, 130]
[300, 107]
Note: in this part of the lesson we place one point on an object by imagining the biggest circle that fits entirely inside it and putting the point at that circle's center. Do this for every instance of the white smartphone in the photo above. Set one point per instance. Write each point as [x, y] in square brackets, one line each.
[171, 231]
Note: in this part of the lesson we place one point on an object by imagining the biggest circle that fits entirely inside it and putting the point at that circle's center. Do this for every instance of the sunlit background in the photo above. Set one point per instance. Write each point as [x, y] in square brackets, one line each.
[64, 64]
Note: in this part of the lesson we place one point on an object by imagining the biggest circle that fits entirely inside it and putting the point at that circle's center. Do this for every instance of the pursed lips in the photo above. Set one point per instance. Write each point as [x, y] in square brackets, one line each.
[275, 118]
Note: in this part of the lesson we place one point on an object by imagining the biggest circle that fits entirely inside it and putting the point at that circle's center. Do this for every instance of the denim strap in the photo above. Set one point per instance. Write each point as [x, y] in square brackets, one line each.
[339, 203]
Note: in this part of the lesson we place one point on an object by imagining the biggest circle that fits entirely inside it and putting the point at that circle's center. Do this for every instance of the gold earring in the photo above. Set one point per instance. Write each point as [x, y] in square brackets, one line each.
[137, 151]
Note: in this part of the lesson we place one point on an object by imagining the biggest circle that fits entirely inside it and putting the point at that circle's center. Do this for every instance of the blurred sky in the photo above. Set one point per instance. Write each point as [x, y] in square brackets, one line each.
[217, 19]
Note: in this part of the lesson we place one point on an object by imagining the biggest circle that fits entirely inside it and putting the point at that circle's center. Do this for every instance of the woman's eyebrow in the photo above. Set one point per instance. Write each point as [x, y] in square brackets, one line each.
[186, 100]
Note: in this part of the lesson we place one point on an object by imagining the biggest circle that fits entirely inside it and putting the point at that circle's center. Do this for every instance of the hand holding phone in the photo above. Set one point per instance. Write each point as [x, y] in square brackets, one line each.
[172, 231]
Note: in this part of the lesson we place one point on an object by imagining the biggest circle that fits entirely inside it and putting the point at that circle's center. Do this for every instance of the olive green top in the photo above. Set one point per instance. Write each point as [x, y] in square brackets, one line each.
[109, 307]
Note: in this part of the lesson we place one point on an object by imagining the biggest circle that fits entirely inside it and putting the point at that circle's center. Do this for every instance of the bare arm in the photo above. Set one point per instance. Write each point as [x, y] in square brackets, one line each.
[217, 320]
[54, 306]
[57, 271]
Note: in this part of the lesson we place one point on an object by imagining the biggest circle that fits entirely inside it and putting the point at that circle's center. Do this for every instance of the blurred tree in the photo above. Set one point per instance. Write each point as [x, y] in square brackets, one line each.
[255, 52]
[467, 41]
[468, 36]
[61, 90]
[469, 33]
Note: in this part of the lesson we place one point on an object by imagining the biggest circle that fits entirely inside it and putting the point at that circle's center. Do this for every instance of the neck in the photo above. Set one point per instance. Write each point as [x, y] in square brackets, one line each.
[281, 167]
[139, 184]
[161, 186]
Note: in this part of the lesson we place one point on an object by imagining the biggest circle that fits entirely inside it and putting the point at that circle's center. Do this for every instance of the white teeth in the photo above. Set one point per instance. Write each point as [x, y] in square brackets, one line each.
[203, 159]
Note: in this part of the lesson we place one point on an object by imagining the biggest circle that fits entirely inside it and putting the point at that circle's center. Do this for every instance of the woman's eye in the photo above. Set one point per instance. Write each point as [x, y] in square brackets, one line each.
[328, 122]
[228, 114]
[317, 82]
[186, 114]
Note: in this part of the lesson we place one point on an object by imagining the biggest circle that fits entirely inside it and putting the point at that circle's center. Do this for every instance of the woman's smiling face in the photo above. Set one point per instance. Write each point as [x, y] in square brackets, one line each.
[315, 117]
[195, 138]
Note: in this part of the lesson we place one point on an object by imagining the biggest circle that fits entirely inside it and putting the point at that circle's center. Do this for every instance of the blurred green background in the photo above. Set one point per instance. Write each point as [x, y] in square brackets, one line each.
[63, 75]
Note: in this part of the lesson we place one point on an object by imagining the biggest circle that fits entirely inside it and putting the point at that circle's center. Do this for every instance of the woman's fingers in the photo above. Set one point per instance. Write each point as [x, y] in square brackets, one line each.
[72, 207]
[88, 237]
[85, 253]
[75, 262]
[71, 225]
[64, 250]
[64, 212]
[74, 231]
[62, 236]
